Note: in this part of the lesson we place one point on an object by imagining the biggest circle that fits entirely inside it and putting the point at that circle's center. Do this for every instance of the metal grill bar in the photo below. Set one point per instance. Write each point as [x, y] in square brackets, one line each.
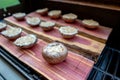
[109, 60]
[2, 77]
[107, 67]
[118, 71]
[99, 76]
[117, 64]
[95, 75]
[19, 69]
[113, 64]
[29, 73]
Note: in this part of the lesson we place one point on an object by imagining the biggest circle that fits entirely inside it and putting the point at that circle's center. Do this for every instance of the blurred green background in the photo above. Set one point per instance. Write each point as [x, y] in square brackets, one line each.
[8, 3]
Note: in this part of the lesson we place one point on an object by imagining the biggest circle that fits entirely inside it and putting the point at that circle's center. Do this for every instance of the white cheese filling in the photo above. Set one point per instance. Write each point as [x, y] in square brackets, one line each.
[90, 22]
[47, 24]
[55, 49]
[2, 25]
[19, 15]
[68, 30]
[42, 10]
[12, 31]
[70, 16]
[33, 20]
[54, 12]
[26, 40]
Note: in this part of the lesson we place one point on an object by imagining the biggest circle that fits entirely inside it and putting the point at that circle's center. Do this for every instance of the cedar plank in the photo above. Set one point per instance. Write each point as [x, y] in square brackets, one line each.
[6, 44]
[63, 71]
[63, 67]
[83, 43]
[101, 34]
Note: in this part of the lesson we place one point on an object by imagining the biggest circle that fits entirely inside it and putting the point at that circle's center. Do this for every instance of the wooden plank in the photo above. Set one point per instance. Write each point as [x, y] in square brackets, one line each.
[79, 43]
[6, 44]
[101, 34]
[75, 67]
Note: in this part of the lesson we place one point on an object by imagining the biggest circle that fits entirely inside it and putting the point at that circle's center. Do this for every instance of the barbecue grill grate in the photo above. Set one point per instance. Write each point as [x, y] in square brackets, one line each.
[26, 71]
[107, 67]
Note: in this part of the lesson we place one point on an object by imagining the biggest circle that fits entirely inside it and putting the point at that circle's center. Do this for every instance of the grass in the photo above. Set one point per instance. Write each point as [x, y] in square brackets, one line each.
[7, 3]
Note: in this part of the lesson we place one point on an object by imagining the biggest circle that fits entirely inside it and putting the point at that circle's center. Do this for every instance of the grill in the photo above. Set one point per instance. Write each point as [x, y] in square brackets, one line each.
[1, 77]
[26, 71]
[106, 68]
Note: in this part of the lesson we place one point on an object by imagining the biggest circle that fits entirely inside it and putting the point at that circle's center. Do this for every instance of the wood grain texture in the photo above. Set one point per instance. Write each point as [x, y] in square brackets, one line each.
[80, 43]
[101, 34]
[6, 44]
[75, 67]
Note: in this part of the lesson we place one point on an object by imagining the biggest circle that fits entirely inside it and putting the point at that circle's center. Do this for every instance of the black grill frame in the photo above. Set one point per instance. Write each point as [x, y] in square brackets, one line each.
[107, 67]
[104, 69]
[22, 68]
